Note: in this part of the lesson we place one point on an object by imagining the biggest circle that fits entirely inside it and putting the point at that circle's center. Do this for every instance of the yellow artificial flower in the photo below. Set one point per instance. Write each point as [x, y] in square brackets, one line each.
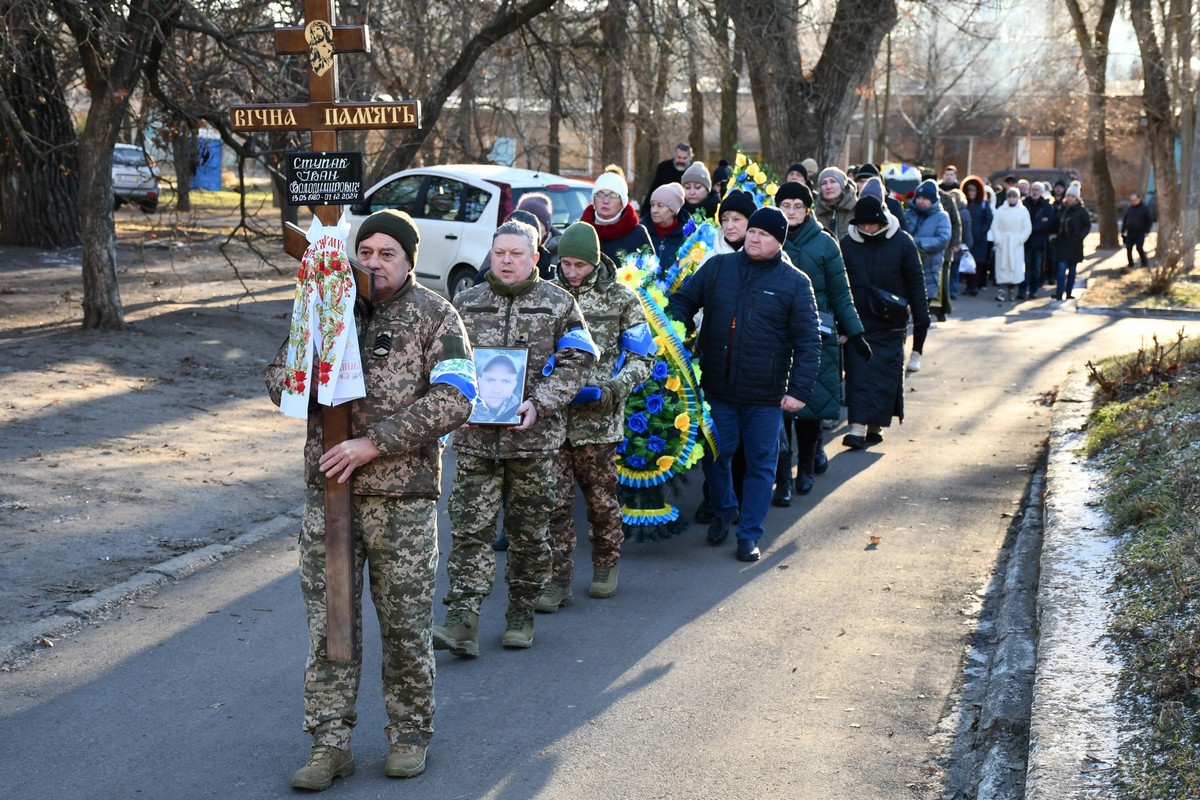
[630, 277]
[672, 383]
[772, 188]
[740, 161]
[665, 462]
[683, 422]
[752, 170]
[658, 296]
[760, 178]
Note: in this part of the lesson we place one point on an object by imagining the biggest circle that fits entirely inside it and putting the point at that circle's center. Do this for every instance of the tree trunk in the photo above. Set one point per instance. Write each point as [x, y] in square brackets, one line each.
[800, 113]
[554, 139]
[614, 33]
[1191, 217]
[184, 154]
[101, 296]
[731, 69]
[1094, 50]
[39, 178]
[1160, 138]
[695, 96]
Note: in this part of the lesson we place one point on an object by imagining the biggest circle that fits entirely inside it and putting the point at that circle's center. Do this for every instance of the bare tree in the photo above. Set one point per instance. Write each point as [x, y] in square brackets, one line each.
[1163, 83]
[39, 177]
[946, 76]
[113, 48]
[1093, 51]
[802, 110]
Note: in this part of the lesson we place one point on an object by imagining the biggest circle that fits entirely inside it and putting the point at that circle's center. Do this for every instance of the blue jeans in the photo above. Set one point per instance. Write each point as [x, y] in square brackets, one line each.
[756, 429]
[1066, 279]
[954, 262]
[1033, 269]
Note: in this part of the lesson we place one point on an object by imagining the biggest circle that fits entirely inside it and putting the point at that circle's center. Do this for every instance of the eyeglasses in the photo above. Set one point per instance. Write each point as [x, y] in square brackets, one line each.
[796, 205]
[606, 197]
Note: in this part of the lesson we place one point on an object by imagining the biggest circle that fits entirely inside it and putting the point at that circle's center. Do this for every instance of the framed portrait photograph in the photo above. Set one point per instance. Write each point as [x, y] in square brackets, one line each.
[500, 377]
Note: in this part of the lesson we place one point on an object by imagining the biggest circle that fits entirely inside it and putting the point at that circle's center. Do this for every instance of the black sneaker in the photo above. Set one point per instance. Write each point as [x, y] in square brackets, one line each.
[718, 531]
[704, 513]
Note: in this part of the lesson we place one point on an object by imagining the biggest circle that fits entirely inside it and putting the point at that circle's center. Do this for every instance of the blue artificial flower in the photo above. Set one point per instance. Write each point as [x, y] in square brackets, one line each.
[654, 403]
[637, 462]
[656, 444]
[637, 423]
[659, 373]
[621, 447]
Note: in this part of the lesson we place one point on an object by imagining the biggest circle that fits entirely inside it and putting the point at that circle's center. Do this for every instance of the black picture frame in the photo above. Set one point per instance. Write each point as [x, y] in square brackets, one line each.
[494, 369]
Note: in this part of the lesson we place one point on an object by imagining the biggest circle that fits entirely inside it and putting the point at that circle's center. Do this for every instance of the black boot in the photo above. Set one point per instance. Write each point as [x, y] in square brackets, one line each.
[783, 481]
[821, 462]
[804, 480]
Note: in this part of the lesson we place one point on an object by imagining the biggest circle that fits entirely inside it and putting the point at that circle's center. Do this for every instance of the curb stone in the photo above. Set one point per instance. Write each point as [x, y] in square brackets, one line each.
[24, 640]
[1004, 714]
[1074, 733]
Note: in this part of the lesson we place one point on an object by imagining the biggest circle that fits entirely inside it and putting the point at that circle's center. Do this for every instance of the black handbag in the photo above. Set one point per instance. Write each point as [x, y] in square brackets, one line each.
[887, 306]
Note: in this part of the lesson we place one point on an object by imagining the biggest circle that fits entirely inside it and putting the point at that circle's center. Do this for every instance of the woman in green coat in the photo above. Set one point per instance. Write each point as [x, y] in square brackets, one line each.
[817, 255]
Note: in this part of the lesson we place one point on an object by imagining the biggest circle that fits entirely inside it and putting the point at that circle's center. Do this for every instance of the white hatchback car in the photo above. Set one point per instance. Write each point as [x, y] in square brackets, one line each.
[135, 178]
[458, 206]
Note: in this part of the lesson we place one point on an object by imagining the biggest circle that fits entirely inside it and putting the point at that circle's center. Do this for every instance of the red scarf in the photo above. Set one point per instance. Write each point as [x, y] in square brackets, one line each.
[624, 224]
[666, 230]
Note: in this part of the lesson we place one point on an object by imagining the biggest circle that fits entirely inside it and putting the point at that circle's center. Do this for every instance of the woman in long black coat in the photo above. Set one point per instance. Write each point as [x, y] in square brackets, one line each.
[880, 257]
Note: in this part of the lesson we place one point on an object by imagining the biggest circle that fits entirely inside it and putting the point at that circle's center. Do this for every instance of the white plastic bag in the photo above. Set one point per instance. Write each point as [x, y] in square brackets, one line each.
[966, 265]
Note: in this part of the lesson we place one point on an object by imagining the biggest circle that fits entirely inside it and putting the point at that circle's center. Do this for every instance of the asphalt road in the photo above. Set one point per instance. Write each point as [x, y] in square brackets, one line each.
[820, 672]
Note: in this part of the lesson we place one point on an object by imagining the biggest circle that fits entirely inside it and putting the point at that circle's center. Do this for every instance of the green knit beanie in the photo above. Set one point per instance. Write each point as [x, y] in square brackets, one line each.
[395, 224]
[580, 241]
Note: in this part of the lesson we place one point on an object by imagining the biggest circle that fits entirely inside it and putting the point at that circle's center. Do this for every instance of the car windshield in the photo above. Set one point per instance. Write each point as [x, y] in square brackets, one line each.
[129, 157]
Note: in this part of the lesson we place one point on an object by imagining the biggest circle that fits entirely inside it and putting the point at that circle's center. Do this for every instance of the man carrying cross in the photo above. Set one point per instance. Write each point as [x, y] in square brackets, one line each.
[420, 385]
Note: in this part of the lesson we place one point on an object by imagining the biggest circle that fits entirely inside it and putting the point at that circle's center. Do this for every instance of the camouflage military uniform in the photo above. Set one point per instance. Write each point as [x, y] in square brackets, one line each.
[542, 317]
[594, 429]
[420, 385]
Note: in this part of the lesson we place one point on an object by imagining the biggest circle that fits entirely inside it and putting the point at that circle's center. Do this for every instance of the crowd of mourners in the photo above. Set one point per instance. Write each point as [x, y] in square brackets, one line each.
[801, 306]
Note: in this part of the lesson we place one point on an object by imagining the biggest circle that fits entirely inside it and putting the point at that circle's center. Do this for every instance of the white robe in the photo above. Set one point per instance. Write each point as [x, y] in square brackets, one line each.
[1011, 226]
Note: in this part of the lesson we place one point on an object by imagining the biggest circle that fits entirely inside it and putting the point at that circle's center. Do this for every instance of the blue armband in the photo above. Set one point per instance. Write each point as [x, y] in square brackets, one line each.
[574, 339]
[588, 394]
[457, 372]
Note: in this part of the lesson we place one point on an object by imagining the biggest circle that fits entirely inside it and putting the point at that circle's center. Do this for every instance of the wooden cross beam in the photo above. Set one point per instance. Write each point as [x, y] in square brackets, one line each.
[323, 116]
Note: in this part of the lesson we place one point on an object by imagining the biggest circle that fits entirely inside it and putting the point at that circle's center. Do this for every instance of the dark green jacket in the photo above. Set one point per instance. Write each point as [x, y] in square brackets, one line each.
[817, 255]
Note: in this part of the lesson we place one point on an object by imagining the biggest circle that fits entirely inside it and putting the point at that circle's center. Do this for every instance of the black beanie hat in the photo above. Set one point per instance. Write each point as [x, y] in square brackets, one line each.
[771, 220]
[396, 224]
[868, 209]
[794, 191]
[866, 171]
[798, 167]
[738, 200]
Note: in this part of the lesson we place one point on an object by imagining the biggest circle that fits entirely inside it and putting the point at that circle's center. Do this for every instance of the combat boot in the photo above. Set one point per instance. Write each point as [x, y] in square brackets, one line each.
[604, 581]
[552, 597]
[519, 630]
[460, 634]
[405, 761]
[326, 763]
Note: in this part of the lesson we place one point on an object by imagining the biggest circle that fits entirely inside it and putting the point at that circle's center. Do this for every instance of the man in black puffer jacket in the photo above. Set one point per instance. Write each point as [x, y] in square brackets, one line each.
[760, 350]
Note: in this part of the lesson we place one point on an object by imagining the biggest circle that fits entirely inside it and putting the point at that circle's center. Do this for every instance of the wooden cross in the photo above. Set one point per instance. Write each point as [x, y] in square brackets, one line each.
[323, 116]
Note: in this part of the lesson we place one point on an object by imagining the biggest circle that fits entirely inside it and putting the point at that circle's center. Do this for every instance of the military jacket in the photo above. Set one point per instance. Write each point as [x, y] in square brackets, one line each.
[610, 309]
[420, 386]
[543, 318]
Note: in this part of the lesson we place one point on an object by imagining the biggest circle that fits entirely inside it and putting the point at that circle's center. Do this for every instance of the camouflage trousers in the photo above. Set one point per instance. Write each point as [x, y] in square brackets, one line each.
[526, 487]
[593, 468]
[397, 542]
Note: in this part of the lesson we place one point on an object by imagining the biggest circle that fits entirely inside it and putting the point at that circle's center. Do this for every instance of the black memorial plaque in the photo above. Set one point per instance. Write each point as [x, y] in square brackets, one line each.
[323, 178]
